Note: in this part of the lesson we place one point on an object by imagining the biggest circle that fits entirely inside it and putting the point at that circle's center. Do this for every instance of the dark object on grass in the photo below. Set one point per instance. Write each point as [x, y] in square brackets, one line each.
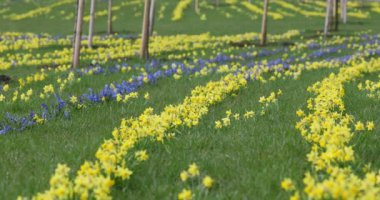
[242, 44]
[287, 44]
[5, 79]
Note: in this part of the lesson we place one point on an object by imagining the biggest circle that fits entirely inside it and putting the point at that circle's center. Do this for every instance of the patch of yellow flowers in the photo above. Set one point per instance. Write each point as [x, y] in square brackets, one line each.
[114, 48]
[193, 172]
[266, 102]
[253, 8]
[226, 121]
[95, 178]
[329, 131]
[179, 9]
[371, 87]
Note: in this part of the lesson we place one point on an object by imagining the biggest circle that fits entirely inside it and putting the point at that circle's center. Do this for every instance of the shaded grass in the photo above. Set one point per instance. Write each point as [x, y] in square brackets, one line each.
[191, 23]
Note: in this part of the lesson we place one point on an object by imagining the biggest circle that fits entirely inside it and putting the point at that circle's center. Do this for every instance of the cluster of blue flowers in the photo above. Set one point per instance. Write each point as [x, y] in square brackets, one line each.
[109, 92]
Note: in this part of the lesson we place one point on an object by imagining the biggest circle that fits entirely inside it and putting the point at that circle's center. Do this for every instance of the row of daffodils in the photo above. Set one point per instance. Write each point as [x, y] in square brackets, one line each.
[329, 128]
[95, 178]
[115, 48]
[57, 102]
[326, 126]
[120, 91]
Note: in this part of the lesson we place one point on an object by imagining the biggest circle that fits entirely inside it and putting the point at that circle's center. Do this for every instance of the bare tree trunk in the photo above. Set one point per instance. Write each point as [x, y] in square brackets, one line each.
[144, 54]
[328, 17]
[151, 17]
[336, 4]
[264, 24]
[331, 15]
[109, 28]
[78, 33]
[91, 26]
[196, 6]
[344, 11]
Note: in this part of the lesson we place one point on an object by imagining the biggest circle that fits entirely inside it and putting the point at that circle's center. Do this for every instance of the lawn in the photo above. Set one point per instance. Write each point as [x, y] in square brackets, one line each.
[204, 69]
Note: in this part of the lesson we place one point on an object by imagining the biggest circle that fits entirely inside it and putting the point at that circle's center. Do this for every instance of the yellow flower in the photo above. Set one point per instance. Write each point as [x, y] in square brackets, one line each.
[370, 125]
[218, 124]
[279, 92]
[228, 113]
[146, 96]
[359, 126]
[262, 99]
[207, 181]
[119, 98]
[6, 88]
[170, 135]
[2, 97]
[185, 195]
[123, 173]
[141, 155]
[193, 170]
[249, 114]
[184, 176]
[38, 120]
[73, 99]
[48, 89]
[295, 196]
[29, 92]
[300, 113]
[287, 184]
[226, 121]
[160, 138]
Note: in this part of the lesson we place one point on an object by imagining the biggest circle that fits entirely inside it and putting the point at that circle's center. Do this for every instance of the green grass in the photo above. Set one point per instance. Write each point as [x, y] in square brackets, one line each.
[75, 139]
[241, 157]
[216, 23]
[248, 159]
[364, 109]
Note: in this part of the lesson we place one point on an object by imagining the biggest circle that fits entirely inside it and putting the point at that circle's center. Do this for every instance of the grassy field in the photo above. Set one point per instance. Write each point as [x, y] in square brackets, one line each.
[129, 17]
[247, 159]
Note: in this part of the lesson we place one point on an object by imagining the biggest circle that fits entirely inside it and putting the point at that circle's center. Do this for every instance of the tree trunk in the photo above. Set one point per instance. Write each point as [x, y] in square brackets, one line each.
[109, 28]
[91, 26]
[144, 54]
[336, 14]
[78, 33]
[196, 6]
[344, 11]
[151, 17]
[264, 24]
[328, 17]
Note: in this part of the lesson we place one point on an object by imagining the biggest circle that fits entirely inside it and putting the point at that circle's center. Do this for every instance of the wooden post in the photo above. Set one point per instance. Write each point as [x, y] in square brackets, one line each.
[327, 17]
[78, 33]
[91, 26]
[343, 11]
[144, 54]
[109, 28]
[151, 17]
[264, 24]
